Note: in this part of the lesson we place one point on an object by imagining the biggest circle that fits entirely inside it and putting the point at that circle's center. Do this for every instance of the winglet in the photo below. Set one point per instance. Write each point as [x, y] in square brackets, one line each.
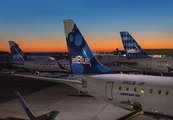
[25, 106]
[131, 47]
[82, 60]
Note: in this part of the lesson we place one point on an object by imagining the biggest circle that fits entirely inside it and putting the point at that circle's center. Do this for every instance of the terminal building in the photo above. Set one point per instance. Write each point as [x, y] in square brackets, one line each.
[159, 52]
[5, 56]
[150, 52]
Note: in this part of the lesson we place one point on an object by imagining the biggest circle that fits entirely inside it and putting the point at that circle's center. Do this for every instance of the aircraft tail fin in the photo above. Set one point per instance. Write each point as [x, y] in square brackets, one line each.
[131, 47]
[82, 60]
[17, 53]
[25, 106]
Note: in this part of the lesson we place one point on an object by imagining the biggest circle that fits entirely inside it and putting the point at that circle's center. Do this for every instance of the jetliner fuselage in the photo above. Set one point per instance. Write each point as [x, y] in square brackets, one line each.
[46, 66]
[160, 65]
[154, 94]
[118, 67]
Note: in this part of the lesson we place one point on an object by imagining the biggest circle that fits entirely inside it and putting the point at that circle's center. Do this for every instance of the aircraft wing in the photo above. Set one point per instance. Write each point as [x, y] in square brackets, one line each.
[49, 79]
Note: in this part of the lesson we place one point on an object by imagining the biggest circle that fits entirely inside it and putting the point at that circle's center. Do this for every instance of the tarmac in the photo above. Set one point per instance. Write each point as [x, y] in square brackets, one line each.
[63, 102]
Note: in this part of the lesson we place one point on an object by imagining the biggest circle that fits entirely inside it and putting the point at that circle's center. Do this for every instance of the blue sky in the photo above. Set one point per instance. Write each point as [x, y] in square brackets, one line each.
[41, 22]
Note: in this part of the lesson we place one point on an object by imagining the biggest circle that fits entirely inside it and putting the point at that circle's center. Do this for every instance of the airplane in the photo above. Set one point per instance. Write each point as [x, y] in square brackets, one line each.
[19, 55]
[137, 58]
[46, 64]
[144, 94]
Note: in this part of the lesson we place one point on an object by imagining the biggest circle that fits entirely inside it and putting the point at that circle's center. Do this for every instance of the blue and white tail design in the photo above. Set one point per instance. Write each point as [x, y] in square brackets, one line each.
[82, 60]
[17, 53]
[131, 47]
[25, 106]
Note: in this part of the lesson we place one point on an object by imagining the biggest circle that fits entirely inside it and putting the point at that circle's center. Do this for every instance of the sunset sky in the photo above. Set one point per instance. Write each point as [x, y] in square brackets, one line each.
[37, 25]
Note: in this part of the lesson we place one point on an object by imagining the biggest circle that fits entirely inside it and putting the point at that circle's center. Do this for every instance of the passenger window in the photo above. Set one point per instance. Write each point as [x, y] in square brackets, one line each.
[167, 92]
[119, 88]
[151, 90]
[159, 92]
[127, 88]
[134, 90]
[142, 90]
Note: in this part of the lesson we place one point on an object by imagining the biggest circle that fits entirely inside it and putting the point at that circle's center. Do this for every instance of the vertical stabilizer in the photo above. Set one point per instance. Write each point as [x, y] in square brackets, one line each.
[17, 53]
[25, 106]
[82, 60]
[131, 47]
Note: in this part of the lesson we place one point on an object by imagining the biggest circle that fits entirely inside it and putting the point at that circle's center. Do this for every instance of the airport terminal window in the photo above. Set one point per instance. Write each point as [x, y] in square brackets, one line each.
[167, 92]
[142, 90]
[151, 90]
[159, 92]
[127, 88]
[134, 90]
[119, 88]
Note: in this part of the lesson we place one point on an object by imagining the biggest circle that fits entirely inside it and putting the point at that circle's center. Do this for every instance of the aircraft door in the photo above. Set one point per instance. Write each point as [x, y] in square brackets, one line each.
[148, 64]
[108, 91]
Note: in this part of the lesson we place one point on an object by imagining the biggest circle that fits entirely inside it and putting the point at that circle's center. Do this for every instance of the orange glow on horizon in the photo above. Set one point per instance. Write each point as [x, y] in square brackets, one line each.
[97, 43]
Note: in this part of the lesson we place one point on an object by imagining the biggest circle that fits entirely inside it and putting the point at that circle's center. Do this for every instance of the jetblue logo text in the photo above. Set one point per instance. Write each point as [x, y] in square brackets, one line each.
[79, 60]
[133, 51]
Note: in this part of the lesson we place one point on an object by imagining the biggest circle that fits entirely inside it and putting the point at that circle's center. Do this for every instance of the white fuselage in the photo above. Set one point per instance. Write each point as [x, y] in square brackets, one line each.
[153, 93]
[118, 67]
[45, 65]
[160, 65]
